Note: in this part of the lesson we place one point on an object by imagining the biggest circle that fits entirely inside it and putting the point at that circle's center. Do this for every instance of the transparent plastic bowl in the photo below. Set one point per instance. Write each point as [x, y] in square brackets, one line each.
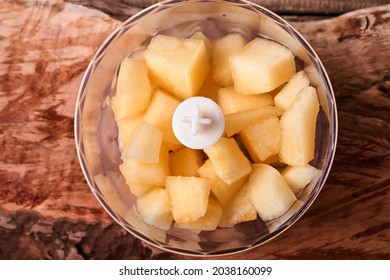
[97, 135]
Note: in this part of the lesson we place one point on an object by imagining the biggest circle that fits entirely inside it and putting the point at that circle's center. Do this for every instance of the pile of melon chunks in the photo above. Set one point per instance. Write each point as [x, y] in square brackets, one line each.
[257, 167]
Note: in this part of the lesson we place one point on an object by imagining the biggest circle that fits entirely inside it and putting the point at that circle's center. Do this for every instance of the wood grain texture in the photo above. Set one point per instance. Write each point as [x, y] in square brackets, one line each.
[46, 208]
[292, 6]
[122, 9]
[45, 50]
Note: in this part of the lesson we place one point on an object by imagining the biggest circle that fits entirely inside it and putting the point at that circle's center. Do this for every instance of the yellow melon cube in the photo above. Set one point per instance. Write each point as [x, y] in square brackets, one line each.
[154, 208]
[261, 66]
[160, 113]
[140, 177]
[126, 127]
[228, 161]
[290, 91]
[298, 177]
[223, 192]
[185, 162]
[177, 65]
[133, 89]
[238, 210]
[298, 129]
[239, 121]
[269, 192]
[189, 197]
[209, 221]
[231, 102]
[144, 143]
[222, 49]
[200, 36]
[262, 140]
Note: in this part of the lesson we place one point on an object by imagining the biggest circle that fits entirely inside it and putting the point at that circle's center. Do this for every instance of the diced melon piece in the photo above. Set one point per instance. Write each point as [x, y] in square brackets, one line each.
[261, 66]
[209, 88]
[137, 188]
[160, 113]
[239, 121]
[223, 192]
[133, 90]
[140, 177]
[228, 161]
[231, 102]
[269, 192]
[298, 129]
[298, 177]
[288, 94]
[155, 209]
[126, 127]
[144, 143]
[200, 36]
[238, 210]
[209, 221]
[222, 49]
[177, 65]
[189, 197]
[262, 140]
[185, 162]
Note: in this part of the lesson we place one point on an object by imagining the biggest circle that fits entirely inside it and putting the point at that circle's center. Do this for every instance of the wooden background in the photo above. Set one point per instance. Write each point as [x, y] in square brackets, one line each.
[47, 210]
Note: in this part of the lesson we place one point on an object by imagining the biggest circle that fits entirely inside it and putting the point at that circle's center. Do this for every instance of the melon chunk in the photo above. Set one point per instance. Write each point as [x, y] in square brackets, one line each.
[160, 113]
[236, 122]
[222, 49]
[144, 143]
[141, 177]
[189, 197]
[269, 192]
[290, 91]
[223, 192]
[177, 65]
[262, 140]
[200, 36]
[238, 210]
[133, 89]
[126, 127]
[228, 161]
[185, 162]
[209, 221]
[261, 66]
[299, 177]
[298, 129]
[231, 102]
[154, 208]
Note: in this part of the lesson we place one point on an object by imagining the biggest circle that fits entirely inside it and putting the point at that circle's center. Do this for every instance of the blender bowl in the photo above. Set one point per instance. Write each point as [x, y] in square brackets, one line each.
[96, 131]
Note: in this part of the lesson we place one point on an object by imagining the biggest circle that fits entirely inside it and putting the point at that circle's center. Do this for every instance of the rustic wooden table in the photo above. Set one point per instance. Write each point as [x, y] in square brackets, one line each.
[47, 210]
